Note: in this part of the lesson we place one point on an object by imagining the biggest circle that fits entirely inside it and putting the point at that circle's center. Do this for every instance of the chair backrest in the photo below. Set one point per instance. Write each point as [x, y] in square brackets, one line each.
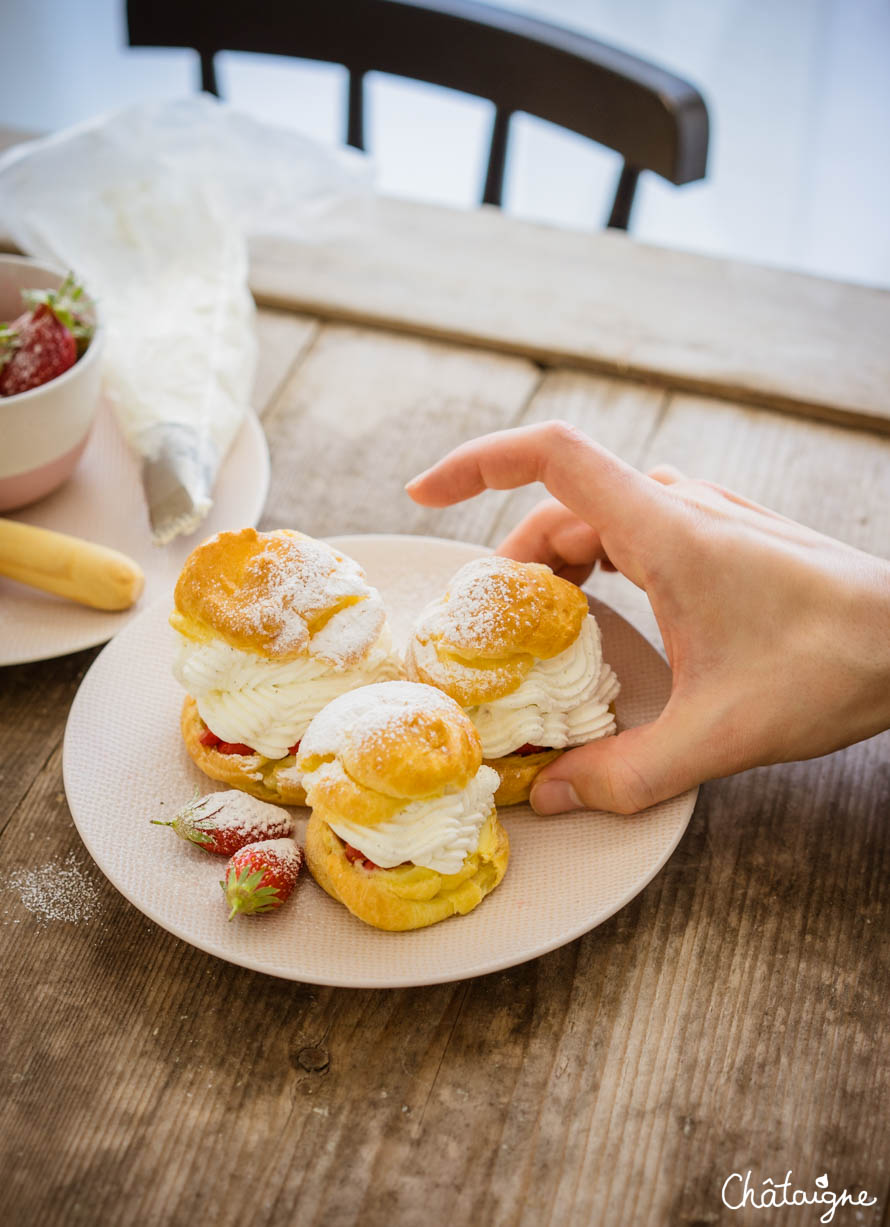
[655, 120]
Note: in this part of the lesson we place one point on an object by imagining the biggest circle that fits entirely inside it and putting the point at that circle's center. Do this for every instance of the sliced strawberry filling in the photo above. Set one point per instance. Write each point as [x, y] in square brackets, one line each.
[355, 857]
[209, 738]
[528, 748]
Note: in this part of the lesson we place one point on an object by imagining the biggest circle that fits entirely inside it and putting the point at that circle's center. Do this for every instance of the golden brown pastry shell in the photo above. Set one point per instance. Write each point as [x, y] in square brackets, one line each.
[227, 579]
[395, 763]
[531, 615]
[517, 774]
[239, 770]
[406, 897]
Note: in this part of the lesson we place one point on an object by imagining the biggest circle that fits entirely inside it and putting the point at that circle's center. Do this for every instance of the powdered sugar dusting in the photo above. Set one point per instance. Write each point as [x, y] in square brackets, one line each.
[408, 574]
[422, 659]
[276, 593]
[281, 854]
[348, 636]
[377, 715]
[58, 890]
[302, 581]
[232, 810]
[479, 640]
[480, 604]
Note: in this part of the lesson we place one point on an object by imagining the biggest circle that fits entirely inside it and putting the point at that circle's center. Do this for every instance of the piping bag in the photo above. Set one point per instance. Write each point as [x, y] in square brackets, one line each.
[151, 207]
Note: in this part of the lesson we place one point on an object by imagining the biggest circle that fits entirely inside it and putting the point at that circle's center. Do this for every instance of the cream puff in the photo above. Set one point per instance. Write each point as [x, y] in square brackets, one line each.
[403, 830]
[270, 627]
[518, 648]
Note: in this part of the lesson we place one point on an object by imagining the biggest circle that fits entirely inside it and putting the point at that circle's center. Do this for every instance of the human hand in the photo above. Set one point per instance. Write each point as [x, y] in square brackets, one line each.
[778, 637]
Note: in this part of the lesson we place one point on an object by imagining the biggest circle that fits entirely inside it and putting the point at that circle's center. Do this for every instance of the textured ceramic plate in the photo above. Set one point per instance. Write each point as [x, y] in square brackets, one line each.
[124, 764]
[103, 502]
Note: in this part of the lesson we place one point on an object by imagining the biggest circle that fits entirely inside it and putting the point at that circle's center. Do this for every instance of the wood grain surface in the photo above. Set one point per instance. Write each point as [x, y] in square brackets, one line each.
[597, 301]
[732, 1017]
[600, 301]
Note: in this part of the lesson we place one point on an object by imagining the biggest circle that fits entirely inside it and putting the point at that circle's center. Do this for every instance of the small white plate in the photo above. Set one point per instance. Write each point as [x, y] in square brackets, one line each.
[124, 764]
[103, 502]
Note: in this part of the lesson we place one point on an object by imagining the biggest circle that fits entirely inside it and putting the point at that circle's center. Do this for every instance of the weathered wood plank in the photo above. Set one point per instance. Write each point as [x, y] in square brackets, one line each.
[365, 411]
[283, 339]
[733, 1016]
[601, 301]
[34, 700]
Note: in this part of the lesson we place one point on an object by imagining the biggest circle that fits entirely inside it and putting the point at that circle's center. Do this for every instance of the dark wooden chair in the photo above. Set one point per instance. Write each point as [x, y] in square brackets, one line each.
[655, 120]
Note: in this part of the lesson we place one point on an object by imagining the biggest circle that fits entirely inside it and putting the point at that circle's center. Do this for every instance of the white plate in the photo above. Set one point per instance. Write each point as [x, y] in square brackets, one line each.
[124, 763]
[103, 502]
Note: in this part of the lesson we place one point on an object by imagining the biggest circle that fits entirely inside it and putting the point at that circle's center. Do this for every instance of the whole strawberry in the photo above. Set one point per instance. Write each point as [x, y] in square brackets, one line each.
[225, 821]
[46, 339]
[260, 877]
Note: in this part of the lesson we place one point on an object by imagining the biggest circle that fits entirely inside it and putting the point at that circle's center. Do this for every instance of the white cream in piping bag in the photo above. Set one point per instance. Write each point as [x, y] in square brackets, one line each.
[268, 704]
[561, 702]
[437, 833]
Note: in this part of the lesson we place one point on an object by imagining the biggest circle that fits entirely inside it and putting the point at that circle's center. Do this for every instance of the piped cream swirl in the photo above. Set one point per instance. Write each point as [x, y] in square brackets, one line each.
[268, 704]
[437, 833]
[561, 702]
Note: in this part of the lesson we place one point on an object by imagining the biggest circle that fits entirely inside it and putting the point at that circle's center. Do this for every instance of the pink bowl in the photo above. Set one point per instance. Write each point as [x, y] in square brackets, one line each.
[44, 431]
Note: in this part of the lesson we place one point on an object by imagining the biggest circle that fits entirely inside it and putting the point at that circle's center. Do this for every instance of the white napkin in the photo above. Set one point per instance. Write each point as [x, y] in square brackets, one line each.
[150, 206]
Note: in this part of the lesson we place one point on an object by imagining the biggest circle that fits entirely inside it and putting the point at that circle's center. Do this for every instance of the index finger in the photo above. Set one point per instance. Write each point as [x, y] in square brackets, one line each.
[590, 481]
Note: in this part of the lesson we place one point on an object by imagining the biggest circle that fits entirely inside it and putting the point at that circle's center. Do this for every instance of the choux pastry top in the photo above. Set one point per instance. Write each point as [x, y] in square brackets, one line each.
[395, 769]
[518, 648]
[271, 627]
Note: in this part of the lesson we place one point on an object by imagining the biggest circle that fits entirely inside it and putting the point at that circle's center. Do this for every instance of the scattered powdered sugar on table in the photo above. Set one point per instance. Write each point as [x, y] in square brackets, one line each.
[58, 890]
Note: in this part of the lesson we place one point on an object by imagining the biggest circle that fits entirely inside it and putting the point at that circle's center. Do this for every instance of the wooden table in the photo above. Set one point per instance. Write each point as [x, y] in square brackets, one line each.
[733, 1017]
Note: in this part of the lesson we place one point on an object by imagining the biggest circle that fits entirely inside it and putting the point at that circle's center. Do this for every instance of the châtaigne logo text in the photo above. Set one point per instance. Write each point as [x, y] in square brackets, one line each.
[739, 1190]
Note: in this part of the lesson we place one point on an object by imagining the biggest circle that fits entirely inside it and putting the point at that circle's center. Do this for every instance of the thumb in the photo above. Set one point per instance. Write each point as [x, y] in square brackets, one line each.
[623, 774]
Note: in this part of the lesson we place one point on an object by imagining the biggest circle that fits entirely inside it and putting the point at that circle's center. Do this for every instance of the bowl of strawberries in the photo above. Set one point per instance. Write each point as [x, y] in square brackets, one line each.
[50, 377]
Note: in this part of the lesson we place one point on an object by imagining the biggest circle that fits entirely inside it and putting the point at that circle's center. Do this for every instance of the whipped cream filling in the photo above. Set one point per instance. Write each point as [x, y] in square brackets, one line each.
[268, 704]
[437, 833]
[562, 702]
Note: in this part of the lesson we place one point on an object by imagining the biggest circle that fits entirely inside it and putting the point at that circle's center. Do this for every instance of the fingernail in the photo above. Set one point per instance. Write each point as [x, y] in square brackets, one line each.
[554, 797]
[415, 481]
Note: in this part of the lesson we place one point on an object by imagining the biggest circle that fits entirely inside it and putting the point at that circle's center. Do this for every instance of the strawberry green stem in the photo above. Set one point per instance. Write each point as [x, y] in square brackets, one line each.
[244, 894]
